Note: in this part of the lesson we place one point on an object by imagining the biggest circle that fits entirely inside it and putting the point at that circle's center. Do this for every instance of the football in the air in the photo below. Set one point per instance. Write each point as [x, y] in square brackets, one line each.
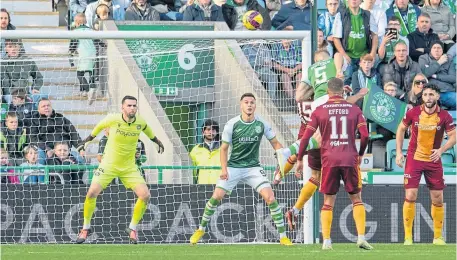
[252, 20]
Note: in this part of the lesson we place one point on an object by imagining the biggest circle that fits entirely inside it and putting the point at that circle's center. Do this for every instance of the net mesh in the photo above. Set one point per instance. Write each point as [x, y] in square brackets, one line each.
[180, 84]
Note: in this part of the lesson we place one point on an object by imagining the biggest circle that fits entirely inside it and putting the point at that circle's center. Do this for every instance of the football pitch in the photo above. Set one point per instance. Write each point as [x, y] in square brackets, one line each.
[222, 252]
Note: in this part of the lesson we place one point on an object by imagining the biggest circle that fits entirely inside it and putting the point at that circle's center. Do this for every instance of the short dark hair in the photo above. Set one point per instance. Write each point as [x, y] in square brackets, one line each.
[13, 41]
[11, 114]
[335, 85]
[43, 99]
[432, 87]
[247, 95]
[394, 18]
[129, 98]
[212, 124]
[426, 15]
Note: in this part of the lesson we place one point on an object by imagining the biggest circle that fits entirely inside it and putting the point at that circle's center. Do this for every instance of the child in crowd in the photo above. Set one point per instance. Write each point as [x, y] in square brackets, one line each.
[62, 156]
[13, 138]
[31, 157]
[366, 76]
[7, 175]
[390, 88]
[86, 51]
[103, 14]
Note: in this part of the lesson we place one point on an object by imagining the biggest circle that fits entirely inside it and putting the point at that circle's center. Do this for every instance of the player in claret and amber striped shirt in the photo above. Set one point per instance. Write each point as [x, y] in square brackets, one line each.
[338, 121]
[428, 123]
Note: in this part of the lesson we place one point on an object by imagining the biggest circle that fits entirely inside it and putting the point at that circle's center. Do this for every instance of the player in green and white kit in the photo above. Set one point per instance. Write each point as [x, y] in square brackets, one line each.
[244, 134]
[323, 69]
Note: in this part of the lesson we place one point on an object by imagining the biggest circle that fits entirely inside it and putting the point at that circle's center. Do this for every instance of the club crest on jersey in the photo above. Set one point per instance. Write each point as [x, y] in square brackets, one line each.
[138, 127]
[382, 108]
[258, 129]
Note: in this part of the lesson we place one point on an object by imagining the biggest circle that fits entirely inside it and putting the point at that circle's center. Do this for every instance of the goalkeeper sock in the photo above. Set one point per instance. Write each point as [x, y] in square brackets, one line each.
[438, 217]
[293, 148]
[138, 212]
[290, 164]
[359, 214]
[306, 192]
[210, 207]
[409, 211]
[326, 220]
[277, 217]
[89, 208]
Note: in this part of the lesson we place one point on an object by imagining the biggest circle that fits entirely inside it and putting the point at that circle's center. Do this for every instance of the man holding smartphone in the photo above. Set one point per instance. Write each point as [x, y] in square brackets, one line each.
[392, 36]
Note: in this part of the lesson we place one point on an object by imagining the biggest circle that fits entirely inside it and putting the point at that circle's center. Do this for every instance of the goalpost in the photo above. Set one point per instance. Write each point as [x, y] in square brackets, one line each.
[181, 78]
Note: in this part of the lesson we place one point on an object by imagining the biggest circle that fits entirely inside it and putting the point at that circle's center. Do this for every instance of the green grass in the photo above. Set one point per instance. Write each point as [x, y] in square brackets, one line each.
[221, 252]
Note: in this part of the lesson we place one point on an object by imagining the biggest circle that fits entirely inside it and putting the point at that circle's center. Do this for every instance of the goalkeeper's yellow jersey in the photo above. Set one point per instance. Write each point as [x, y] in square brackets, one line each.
[122, 140]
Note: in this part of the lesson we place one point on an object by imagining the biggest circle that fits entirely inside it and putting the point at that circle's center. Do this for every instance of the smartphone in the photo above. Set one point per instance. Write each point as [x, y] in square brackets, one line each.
[393, 31]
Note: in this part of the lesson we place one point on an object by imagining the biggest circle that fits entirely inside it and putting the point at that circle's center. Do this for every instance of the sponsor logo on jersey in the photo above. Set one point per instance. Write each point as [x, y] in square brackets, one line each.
[143, 54]
[258, 129]
[382, 108]
[248, 139]
[338, 143]
[126, 134]
[427, 127]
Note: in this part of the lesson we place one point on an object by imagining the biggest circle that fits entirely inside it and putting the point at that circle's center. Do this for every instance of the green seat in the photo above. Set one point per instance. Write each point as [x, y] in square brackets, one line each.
[373, 135]
[391, 153]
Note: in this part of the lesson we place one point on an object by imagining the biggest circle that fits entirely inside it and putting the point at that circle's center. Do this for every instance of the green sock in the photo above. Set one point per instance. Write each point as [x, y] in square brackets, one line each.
[210, 207]
[277, 216]
[294, 147]
[313, 144]
[89, 208]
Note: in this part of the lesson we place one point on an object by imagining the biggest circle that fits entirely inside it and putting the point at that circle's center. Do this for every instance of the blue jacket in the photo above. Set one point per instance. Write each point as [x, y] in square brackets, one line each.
[195, 13]
[290, 14]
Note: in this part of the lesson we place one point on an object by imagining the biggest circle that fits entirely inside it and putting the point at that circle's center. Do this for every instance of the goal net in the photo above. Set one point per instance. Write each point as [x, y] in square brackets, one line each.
[179, 84]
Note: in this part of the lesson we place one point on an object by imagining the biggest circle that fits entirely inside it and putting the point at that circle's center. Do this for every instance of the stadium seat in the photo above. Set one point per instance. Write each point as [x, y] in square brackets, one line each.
[391, 153]
[373, 135]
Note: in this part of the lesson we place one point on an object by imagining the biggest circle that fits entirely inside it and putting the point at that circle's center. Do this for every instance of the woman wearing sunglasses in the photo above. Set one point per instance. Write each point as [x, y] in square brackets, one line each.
[414, 96]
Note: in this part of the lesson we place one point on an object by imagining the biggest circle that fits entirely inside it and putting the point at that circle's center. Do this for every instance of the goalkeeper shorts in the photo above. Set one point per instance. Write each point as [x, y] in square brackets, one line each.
[254, 177]
[130, 177]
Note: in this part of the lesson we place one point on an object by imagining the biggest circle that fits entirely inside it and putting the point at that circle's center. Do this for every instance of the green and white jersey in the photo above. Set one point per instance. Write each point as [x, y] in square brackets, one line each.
[244, 139]
[318, 76]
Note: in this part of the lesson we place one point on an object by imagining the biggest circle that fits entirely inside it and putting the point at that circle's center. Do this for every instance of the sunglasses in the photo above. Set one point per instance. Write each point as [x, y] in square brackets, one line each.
[418, 82]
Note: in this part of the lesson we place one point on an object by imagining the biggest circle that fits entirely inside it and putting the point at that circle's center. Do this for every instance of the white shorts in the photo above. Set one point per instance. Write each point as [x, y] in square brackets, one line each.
[254, 177]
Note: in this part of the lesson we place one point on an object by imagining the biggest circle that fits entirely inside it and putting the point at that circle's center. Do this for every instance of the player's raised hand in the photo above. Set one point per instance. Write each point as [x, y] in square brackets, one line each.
[436, 155]
[224, 175]
[399, 160]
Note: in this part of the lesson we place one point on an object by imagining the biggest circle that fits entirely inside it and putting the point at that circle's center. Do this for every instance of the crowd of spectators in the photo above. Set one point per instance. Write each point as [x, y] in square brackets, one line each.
[396, 45]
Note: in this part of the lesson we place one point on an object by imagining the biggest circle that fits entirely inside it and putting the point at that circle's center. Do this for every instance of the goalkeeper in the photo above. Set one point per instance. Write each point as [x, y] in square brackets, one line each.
[119, 161]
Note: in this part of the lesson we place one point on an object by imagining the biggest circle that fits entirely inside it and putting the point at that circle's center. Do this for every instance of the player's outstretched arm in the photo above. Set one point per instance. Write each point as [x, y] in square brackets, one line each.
[275, 143]
[81, 146]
